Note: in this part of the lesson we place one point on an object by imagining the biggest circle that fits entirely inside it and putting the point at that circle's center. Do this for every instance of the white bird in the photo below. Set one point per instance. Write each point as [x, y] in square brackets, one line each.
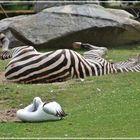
[39, 111]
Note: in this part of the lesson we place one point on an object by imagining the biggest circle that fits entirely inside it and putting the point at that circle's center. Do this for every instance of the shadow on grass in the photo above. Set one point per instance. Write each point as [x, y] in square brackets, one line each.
[48, 121]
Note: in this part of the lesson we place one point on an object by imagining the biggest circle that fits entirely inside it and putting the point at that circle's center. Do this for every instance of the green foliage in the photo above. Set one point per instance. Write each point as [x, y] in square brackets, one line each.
[107, 106]
[17, 5]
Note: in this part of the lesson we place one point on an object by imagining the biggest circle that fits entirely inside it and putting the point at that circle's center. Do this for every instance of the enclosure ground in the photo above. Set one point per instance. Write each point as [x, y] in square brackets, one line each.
[8, 116]
[106, 106]
[2, 77]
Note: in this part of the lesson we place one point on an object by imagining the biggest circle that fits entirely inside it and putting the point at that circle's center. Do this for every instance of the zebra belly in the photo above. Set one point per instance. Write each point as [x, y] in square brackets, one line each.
[39, 72]
[35, 76]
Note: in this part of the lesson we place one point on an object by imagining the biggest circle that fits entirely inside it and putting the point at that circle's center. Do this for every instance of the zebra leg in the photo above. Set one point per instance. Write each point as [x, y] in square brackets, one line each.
[5, 47]
[5, 55]
[5, 42]
[94, 50]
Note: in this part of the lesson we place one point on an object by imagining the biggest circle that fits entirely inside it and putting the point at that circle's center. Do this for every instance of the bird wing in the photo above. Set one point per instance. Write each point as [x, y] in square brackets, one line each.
[53, 108]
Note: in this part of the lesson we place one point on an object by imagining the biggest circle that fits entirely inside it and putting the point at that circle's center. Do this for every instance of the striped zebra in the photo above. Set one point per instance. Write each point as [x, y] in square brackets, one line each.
[27, 65]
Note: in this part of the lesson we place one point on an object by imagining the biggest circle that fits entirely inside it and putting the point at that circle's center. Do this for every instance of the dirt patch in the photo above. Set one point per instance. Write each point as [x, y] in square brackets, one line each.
[8, 115]
[2, 77]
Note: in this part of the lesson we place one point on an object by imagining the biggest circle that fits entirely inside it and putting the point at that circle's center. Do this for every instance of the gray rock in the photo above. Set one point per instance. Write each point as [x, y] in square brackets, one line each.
[121, 13]
[62, 25]
[4, 27]
[38, 6]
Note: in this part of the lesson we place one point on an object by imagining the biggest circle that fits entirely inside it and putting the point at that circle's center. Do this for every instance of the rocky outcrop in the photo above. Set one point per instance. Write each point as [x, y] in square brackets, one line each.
[62, 25]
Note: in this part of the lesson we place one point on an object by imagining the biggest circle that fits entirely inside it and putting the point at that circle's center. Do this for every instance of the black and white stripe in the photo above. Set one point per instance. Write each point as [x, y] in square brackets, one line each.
[132, 65]
[29, 66]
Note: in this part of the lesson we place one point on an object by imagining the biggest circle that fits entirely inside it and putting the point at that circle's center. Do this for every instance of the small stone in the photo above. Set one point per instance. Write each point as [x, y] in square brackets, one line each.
[98, 89]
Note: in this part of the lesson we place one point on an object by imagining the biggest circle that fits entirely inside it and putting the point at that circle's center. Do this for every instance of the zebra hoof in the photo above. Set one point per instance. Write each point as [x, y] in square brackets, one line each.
[5, 55]
[76, 45]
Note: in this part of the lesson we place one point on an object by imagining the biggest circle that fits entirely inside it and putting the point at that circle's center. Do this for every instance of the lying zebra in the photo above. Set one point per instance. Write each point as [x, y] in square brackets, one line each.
[27, 65]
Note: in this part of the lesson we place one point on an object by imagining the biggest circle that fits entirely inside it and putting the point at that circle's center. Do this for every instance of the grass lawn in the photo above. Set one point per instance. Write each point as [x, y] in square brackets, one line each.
[107, 106]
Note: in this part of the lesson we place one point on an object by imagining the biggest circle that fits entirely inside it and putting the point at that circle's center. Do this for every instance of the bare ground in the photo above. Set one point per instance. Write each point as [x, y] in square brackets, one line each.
[10, 114]
[2, 77]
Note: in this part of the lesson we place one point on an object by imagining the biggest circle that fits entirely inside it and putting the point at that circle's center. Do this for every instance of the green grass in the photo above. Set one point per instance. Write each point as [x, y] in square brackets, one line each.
[107, 106]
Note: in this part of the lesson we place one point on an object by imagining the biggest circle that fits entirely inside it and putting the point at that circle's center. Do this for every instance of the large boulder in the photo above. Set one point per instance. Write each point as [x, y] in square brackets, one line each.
[38, 6]
[62, 25]
[4, 27]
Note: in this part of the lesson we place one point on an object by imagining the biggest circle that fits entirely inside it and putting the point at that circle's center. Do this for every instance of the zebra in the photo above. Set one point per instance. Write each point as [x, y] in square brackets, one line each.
[27, 65]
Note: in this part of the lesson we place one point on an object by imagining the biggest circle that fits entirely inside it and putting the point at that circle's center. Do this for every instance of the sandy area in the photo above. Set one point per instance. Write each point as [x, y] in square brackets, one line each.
[8, 115]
